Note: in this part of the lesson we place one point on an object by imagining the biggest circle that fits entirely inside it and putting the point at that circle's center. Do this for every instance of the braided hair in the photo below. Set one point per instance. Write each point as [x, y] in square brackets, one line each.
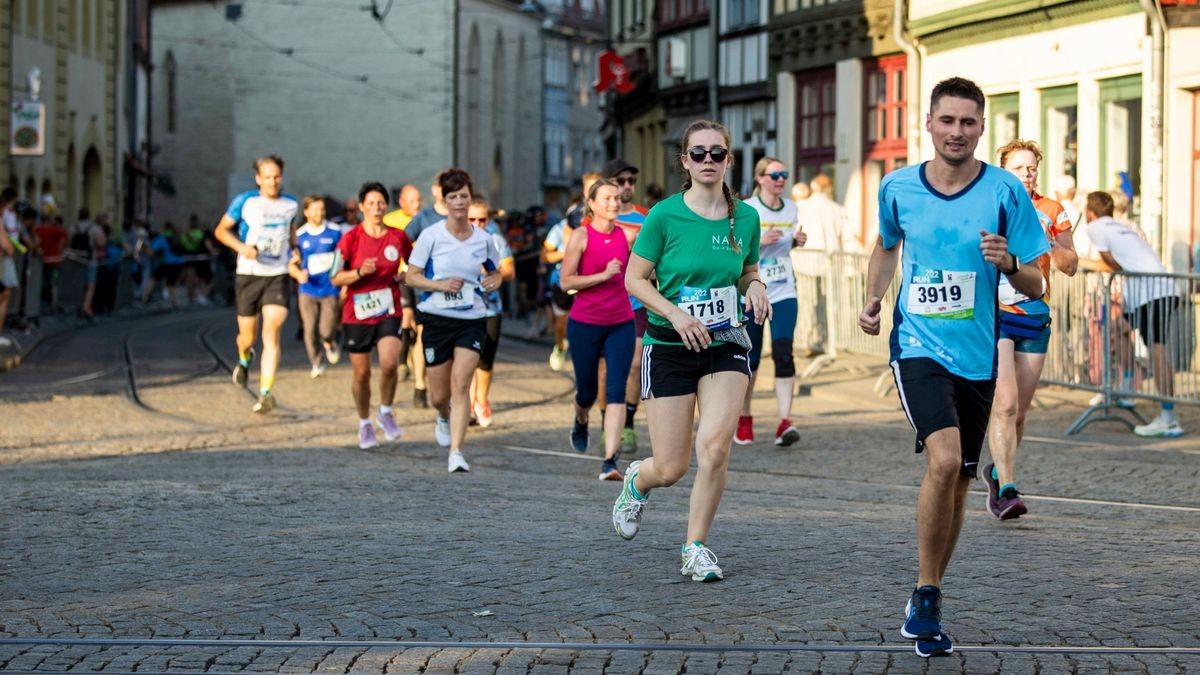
[730, 203]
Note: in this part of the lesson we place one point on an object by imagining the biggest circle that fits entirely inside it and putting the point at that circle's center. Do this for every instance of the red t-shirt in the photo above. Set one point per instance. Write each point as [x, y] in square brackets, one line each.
[53, 239]
[366, 301]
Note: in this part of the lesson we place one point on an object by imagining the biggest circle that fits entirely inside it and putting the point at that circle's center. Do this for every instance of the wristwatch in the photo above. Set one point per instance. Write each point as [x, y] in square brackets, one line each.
[1016, 266]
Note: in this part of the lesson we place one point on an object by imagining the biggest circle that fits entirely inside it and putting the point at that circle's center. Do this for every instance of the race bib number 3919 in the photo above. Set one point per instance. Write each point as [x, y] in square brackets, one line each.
[941, 294]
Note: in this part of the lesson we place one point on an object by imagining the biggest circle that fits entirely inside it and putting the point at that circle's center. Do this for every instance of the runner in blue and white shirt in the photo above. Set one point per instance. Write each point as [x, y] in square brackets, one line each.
[481, 386]
[312, 264]
[963, 223]
[263, 222]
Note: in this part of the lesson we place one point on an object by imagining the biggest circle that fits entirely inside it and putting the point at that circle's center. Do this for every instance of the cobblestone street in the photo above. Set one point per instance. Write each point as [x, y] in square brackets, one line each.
[175, 515]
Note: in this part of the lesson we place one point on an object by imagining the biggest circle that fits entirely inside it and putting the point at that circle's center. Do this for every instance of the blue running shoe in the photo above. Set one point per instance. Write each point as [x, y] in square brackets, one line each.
[940, 646]
[923, 616]
[579, 436]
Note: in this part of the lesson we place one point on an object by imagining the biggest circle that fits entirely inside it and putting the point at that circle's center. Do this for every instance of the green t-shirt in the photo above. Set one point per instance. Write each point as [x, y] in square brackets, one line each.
[693, 253]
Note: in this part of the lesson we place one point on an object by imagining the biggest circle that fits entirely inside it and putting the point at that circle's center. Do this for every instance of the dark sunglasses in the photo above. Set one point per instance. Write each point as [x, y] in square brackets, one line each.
[778, 175]
[718, 154]
[476, 220]
[631, 180]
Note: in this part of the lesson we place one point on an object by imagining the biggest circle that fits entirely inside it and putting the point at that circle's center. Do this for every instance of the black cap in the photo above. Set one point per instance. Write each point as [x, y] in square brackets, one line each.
[616, 166]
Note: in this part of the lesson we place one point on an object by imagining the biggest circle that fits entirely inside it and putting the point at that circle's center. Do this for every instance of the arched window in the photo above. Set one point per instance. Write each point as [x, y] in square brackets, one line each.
[473, 102]
[172, 103]
[31, 18]
[48, 22]
[499, 85]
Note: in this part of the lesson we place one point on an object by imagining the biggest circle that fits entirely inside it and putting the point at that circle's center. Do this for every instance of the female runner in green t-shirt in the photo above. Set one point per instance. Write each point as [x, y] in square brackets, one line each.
[702, 248]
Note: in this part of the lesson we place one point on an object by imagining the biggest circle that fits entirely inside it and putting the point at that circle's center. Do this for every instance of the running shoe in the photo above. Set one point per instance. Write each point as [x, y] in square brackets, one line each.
[318, 370]
[1011, 505]
[993, 488]
[785, 434]
[923, 615]
[628, 441]
[441, 431]
[745, 430]
[456, 464]
[942, 645]
[1126, 403]
[558, 358]
[366, 437]
[1160, 427]
[579, 436]
[627, 510]
[700, 563]
[420, 398]
[242, 373]
[609, 470]
[264, 404]
[333, 353]
[483, 413]
[387, 422]
[405, 372]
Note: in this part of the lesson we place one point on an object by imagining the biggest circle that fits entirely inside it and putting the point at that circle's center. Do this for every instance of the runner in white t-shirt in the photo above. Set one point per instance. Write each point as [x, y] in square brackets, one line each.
[263, 219]
[1147, 304]
[780, 234]
[454, 265]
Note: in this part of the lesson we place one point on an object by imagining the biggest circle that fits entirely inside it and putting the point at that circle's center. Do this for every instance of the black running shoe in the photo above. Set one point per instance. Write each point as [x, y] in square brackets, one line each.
[579, 436]
[242, 373]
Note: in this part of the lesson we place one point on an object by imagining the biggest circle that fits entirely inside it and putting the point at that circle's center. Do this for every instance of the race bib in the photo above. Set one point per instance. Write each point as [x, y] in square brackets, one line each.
[272, 244]
[941, 294]
[371, 304]
[320, 263]
[463, 298]
[716, 308]
[775, 270]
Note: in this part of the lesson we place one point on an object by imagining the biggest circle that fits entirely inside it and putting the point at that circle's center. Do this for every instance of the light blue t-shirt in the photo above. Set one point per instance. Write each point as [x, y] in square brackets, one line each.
[634, 219]
[946, 308]
[318, 253]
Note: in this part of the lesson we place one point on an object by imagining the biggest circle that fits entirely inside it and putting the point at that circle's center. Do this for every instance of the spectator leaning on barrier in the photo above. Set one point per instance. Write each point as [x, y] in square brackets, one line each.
[1148, 302]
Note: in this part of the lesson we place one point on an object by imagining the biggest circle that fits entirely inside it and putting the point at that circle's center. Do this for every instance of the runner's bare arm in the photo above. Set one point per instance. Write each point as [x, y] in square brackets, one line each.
[880, 270]
[569, 278]
[224, 234]
[637, 282]
[415, 278]
[1062, 253]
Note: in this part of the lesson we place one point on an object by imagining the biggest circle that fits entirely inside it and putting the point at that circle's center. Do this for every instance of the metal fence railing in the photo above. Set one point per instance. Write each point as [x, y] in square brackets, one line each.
[1123, 335]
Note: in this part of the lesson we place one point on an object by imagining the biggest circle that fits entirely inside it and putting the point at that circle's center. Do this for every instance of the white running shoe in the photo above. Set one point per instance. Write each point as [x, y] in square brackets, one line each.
[483, 413]
[318, 370]
[1160, 427]
[700, 563]
[441, 431]
[627, 510]
[333, 353]
[455, 463]
[558, 358]
[366, 437]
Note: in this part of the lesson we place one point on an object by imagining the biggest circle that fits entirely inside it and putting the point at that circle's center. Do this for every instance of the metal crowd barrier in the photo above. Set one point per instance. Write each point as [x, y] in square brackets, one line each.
[1126, 336]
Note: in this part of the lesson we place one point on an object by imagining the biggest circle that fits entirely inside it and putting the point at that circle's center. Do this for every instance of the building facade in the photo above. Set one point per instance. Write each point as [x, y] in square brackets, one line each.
[345, 95]
[636, 123]
[1096, 83]
[841, 94]
[70, 58]
[747, 105]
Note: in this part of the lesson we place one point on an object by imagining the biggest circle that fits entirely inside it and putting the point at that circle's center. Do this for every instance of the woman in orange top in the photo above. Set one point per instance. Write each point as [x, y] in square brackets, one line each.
[1024, 337]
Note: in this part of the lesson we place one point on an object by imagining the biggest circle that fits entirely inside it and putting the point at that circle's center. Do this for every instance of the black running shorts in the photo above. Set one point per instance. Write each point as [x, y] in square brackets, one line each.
[674, 370]
[361, 338]
[441, 335]
[253, 292]
[936, 399]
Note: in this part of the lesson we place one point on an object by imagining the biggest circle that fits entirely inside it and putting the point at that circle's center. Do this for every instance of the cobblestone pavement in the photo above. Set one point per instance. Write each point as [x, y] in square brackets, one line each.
[188, 518]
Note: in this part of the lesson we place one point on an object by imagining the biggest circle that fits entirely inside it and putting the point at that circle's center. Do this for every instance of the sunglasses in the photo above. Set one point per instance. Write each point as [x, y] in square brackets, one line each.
[476, 220]
[777, 175]
[698, 153]
[631, 180]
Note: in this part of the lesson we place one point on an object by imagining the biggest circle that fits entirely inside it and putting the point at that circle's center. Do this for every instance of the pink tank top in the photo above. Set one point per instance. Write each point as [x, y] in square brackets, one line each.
[604, 304]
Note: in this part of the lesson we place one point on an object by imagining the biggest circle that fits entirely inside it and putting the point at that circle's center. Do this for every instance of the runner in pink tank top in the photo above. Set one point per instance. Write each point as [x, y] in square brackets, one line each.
[601, 319]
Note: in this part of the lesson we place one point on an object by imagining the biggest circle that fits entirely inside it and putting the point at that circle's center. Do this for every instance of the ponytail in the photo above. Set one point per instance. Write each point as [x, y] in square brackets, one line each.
[729, 203]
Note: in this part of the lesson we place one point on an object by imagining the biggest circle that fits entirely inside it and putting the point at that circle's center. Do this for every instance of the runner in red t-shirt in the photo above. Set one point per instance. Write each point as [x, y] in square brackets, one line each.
[371, 255]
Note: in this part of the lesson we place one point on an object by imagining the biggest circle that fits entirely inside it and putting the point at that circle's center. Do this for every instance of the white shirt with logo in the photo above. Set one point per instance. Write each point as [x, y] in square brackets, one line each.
[266, 225]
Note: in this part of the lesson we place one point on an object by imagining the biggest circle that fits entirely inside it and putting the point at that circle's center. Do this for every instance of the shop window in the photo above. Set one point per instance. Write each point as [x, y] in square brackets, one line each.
[815, 121]
[1060, 135]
